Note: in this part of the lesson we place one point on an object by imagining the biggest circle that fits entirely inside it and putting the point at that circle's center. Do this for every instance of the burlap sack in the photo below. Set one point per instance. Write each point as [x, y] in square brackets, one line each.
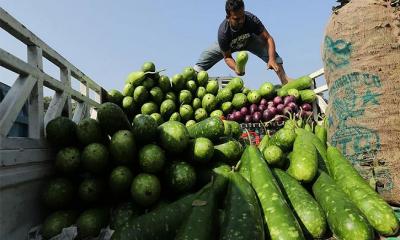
[361, 54]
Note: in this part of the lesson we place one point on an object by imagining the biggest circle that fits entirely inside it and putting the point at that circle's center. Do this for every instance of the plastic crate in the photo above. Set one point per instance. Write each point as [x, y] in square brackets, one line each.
[256, 131]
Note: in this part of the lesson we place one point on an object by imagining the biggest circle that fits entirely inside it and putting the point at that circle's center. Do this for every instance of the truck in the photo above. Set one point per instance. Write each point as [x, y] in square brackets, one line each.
[25, 155]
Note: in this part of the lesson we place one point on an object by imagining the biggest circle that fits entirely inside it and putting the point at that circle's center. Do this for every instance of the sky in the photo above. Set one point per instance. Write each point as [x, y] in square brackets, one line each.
[108, 40]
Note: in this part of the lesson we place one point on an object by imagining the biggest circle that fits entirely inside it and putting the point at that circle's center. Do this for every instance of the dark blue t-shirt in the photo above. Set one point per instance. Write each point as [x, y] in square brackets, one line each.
[229, 39]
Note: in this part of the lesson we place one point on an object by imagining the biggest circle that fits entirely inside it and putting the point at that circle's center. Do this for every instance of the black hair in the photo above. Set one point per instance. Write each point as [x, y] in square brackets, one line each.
[233, 5]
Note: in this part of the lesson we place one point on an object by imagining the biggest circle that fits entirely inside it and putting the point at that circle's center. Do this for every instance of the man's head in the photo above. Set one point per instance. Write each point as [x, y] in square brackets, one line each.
[235, 13]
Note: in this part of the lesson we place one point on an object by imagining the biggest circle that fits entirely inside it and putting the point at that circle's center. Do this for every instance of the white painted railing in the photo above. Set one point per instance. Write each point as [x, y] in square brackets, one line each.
[320, 103]
[26, 161]
[29, 88]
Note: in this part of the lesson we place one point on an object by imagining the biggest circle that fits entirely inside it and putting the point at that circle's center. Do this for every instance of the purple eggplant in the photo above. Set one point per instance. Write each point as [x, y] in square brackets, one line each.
[273, 111]
[257, 117]
[305, 114]
[262, 107]
[308, 114]
[267, 115]
[248, 119]
[263, 101]
[280, 108]
[238, 116]
[293, 106]
[277, 100]
[244, 111]
[289, 99]
[253, 108]
[306, 107]
[287, 111]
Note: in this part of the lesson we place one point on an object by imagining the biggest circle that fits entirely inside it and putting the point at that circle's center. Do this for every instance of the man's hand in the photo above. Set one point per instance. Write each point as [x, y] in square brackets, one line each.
[273, 65]
[238, 73]
[231, 62]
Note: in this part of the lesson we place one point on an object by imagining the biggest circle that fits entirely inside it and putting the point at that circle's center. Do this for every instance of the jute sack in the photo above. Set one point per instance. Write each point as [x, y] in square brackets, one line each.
[361, 54]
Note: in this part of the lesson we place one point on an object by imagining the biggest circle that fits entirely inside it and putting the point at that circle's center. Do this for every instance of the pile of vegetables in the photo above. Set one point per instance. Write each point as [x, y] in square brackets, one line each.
[277, 110]
[271, 103]
[291, 186]
[162, 162]
[109, 170]
[187, 97]
[321, 187]
[137, 155]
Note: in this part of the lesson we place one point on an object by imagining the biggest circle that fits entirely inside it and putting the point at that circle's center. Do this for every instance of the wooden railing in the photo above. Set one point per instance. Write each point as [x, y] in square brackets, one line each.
[28, 89]
[320, 103]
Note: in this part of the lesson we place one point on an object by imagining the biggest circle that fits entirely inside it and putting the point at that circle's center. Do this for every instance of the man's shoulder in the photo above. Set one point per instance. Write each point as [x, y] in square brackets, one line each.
[254, 23]
[223, 28]
[247, 13]
[251, 16]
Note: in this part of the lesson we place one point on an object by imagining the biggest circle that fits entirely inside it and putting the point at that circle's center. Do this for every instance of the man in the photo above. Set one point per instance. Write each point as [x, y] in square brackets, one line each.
[241, 30]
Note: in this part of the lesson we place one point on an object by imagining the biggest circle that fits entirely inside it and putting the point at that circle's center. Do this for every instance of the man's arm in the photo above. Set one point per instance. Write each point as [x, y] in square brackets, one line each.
[231, 62]
[271, 50]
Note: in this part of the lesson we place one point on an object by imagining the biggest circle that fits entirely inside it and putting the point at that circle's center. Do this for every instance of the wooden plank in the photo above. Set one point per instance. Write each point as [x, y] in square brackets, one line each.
[321, 89]
[83, 89]
[98, 98]
[76, 73]
[55, 108]
[35, 107]
[80, 98]
[13, 143]
[322, 104]
[19, 31]
[14, 64]
[316, 74]
[13, 175]
[315, 111]
[35, 56]
[314, 103]
[13, 102]
[80, 112]
[65, 76]
[23, 156]
[36, 111]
